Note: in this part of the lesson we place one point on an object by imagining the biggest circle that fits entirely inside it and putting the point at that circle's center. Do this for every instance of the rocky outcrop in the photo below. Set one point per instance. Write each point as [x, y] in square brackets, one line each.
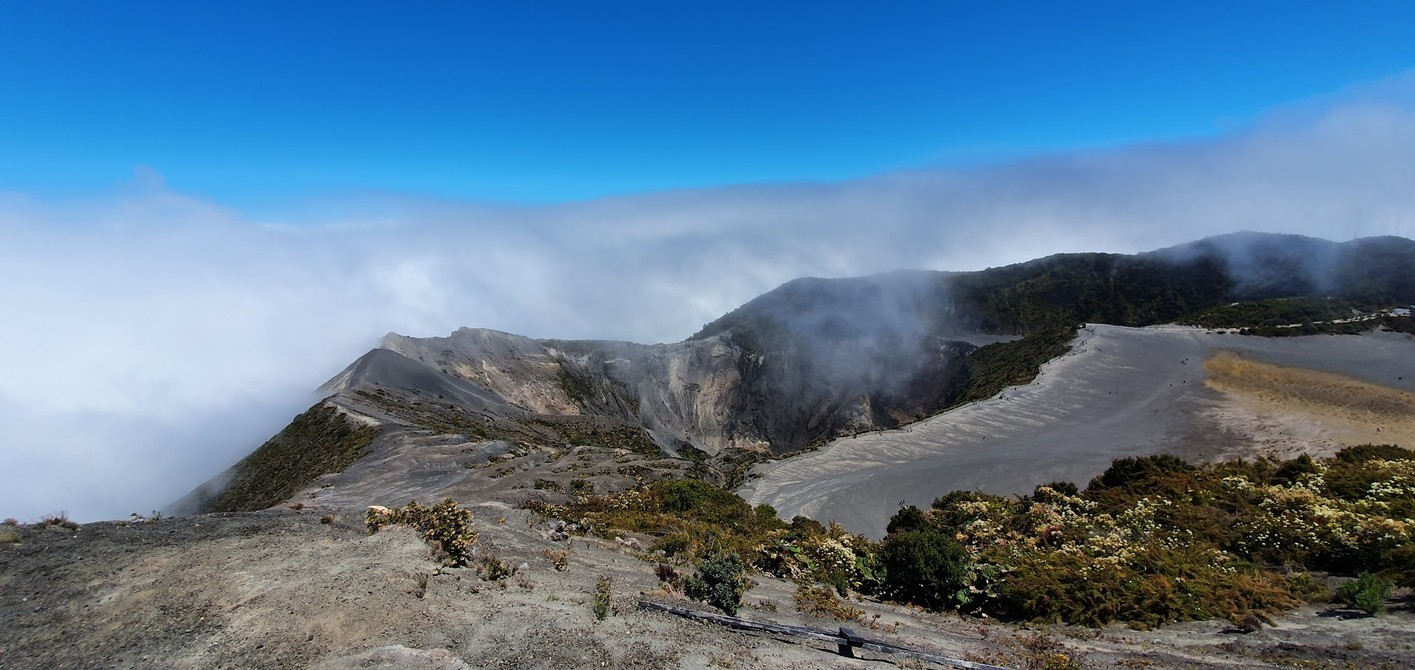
[708, 395]
[518, 369]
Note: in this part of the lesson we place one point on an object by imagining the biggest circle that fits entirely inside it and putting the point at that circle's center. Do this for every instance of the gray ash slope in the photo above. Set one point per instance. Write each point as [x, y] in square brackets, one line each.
[810, 361]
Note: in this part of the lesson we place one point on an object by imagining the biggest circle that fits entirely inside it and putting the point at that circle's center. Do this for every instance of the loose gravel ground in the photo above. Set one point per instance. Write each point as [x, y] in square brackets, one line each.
[281, 589]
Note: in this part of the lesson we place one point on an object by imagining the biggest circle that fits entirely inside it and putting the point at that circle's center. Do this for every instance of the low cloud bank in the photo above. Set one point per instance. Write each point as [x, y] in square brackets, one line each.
[151, 338]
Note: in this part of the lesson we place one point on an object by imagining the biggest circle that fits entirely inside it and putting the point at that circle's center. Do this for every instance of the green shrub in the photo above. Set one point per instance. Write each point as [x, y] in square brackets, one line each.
[1368, 593]
[720, 582]
[906, 519]
[603, 590]
[701, 499]
[927, 568]
[801, 526]
[1127, 472]
[1375, 452]
[810, 553]
[1294, 470]
[948, 511]
[444, 525]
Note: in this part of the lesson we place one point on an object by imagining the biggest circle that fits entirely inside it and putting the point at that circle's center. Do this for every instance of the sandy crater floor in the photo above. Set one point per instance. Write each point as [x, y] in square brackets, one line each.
[1119, 392]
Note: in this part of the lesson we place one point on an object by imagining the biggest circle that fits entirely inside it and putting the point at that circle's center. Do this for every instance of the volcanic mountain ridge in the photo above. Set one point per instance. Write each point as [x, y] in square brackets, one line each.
[482, 412]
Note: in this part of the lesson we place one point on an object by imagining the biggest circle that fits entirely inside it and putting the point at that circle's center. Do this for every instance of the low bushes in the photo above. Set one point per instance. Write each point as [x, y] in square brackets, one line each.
[1367, 593]
[1155, 539]
[1150, 541]
[925, 567]
[445, 526]
[699, 524]
[720, 582]
[820, 601]
[1152, 586]
[60, 520]
[692, 519]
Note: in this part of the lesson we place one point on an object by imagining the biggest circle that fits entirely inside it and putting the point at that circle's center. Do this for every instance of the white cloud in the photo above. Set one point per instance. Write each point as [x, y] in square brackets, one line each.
[150, 338]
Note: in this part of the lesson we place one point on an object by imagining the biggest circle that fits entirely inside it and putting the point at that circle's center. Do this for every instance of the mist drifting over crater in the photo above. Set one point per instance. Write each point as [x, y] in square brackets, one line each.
[152, 337]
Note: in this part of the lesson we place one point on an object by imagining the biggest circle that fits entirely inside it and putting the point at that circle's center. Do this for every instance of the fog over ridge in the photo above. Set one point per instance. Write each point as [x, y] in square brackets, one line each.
[151, 338]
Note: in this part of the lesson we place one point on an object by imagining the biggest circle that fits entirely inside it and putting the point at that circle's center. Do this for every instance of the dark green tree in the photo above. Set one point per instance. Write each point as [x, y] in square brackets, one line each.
[925, 567]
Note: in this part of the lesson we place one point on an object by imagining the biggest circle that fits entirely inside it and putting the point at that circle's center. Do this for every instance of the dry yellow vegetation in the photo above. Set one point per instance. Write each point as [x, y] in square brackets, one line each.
[1349, 410]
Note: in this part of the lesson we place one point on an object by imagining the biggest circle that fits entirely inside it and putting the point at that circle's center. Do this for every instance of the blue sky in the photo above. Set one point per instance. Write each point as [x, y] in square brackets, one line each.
[259, 105]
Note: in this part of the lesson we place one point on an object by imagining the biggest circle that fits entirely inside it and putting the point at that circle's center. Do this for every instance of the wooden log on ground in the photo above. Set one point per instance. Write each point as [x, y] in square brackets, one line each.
[845, 639]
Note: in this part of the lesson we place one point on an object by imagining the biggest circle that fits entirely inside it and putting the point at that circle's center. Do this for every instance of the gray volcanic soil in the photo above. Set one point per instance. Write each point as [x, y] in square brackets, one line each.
[1119, 392]
[279, 589]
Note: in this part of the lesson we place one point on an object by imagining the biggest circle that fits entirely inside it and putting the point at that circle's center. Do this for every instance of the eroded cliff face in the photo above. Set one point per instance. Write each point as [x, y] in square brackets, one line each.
[770, 388]
[684, 394]
[521, 370]
[709, 394]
